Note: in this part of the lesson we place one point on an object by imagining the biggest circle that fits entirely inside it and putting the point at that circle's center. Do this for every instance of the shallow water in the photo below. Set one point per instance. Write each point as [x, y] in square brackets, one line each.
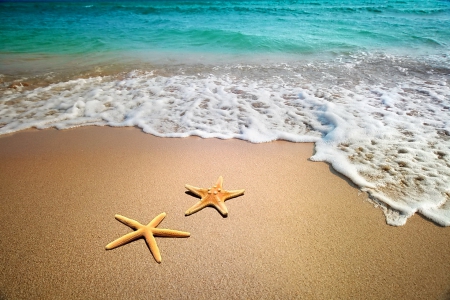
[368, 83]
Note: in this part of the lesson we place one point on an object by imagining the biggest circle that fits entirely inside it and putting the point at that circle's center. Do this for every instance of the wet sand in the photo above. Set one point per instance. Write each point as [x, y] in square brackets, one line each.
[300, 231]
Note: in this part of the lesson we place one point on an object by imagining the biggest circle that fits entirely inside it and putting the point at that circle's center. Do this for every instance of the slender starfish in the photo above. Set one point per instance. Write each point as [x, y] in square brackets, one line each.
[214, 196]
[148, 232]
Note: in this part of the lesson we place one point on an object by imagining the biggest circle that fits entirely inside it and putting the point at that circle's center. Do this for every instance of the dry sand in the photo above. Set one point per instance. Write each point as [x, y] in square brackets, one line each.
[299, 231]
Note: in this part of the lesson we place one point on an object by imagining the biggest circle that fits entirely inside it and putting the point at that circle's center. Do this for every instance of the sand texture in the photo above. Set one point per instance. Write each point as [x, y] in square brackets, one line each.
[300, 231]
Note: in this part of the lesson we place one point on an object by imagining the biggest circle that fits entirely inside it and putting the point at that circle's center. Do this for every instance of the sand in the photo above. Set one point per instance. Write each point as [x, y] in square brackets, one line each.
[300, 231]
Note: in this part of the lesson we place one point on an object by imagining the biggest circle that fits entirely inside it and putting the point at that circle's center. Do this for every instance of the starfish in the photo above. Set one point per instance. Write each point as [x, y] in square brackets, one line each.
[148, 232]
[214, 196]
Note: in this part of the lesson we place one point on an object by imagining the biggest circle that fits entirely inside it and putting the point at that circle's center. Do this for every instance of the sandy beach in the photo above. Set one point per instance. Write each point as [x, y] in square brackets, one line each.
[300, 231]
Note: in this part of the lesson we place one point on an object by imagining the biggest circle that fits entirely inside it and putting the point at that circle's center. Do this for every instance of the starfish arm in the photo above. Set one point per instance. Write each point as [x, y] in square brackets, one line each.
[130, 223]
[129, 237]
[158, 219]
[231, 194]
[198, 191]
[220, 206]
[169, 233]
[151, 243]
[196, 207]
[219, 182]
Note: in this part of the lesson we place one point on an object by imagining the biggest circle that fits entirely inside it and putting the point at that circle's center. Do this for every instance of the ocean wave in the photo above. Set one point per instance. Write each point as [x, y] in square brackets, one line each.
[428, 40]
[422, 11]
[234, 26]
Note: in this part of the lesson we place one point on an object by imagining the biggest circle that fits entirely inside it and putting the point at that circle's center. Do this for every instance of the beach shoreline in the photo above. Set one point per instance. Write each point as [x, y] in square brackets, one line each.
[299, 231]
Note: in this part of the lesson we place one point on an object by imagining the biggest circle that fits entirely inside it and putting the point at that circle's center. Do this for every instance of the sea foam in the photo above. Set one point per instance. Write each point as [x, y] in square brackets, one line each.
[390, 136]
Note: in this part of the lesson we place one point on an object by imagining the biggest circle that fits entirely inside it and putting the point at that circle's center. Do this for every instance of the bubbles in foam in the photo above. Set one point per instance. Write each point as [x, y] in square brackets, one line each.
[389, 135]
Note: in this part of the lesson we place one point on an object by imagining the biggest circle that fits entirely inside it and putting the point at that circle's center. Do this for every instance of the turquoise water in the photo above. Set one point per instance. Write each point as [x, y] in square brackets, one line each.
[296, 28]
[367, 81]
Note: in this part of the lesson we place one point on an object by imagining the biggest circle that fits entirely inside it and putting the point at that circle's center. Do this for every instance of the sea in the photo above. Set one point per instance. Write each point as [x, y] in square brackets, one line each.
[367, 81]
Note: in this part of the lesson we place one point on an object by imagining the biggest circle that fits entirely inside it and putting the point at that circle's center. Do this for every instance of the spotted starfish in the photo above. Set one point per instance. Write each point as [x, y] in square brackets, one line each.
[214, 196]
[148, 232]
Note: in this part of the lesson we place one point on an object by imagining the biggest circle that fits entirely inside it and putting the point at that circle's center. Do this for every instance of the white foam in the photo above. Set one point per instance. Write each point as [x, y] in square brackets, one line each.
[392, 139]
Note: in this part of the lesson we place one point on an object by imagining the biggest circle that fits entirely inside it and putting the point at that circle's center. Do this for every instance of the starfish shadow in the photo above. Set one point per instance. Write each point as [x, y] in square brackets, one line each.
[192, 194]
